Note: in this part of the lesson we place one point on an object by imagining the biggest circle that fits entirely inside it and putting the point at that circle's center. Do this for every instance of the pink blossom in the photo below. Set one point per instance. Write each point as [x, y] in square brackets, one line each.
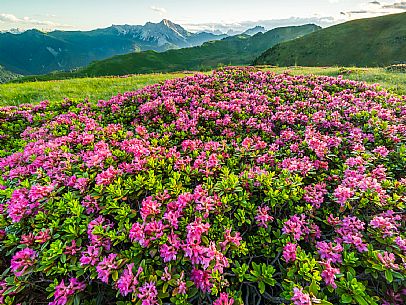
[201, 279]
[63, 293]
[105, 267]
[148, 294]
[42, 236]
[106, 177]
[289, 252]
[22, 261]
[329, 252]
[329, 274]
[388, 260]
[90, 256]
[39, 192]
[300, 298]
[149, 207]
[72, 249]
[224, 299]
[263, 218]
[127, 283]
[295, 226]
[342, 194]
[137, 234]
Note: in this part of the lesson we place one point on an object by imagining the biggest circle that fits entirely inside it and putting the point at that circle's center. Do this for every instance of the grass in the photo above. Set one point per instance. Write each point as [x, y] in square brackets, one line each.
[105, 87]
[79, 88]
[371, 42]
[395, 82]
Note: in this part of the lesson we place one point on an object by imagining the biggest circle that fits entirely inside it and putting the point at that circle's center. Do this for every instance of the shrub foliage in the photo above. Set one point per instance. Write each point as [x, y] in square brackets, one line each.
[240, 187]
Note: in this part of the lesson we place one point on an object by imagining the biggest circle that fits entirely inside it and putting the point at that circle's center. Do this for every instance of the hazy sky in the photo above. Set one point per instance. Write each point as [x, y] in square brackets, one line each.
[195, 15]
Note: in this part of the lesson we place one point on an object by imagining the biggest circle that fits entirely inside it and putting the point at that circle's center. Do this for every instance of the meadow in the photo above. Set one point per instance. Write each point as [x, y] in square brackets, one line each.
[106, 87]
[230, 188]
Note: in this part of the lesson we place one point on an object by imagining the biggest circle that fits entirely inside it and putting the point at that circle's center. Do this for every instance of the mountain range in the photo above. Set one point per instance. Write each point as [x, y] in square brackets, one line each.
[378, 41]
[36, 52]
[235, 50]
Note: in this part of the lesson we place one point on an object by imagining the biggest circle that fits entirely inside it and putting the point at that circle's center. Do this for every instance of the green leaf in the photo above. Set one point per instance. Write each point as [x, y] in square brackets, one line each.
[261, 286]
[360, 300]
[114, 275]
[314, 288]
[389, 276]
[346, 298]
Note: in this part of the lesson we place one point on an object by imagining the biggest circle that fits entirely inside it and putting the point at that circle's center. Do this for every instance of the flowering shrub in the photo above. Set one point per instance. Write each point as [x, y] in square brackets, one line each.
[241, 187]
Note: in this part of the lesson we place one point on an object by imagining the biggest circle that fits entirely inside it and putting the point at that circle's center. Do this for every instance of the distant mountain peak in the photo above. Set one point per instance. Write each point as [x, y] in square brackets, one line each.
[255, 30]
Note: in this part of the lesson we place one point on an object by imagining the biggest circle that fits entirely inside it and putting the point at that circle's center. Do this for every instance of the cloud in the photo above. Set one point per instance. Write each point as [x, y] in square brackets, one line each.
[158, 9]
[375, 8]
[242, 26]
[11, 21]
[397, 5]
[9, 18]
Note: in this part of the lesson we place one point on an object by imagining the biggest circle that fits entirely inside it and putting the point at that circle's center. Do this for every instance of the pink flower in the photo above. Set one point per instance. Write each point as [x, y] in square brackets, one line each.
[167, 275]
[236, 239]
[289, 252]
[148, 294]
[342, 194]
[388, 260]
[105, 267]
[22, 261]
[42, 236]
[72, 249]
[201, 279]
[63, 293]
[381, 151]
[127, 283]
[149, 207]
[262, 217]
[168, 253]
[39, 192]
[195, 230]
[386, 223]
[329, 274]
[107, 177]
[90, 256]
[224, 299]
[300, 298]
[181, 285]
[137, 234]
[329, 252]
[296, 226]
[315, 194]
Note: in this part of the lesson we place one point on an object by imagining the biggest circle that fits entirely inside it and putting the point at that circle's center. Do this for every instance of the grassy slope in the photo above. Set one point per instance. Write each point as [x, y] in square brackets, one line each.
[366, 42]
[104, 88]
[92, 88]
[236, 50]
[6, 76]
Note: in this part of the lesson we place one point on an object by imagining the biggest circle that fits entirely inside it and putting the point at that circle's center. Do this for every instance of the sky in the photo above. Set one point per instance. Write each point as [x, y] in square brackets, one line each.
[193, 15]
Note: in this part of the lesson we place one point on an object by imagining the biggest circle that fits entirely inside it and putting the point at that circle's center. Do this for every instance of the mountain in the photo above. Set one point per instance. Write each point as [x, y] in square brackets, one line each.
[35, 52]
[255, 30]
[6, 76]
[235, 50]
[378, 41]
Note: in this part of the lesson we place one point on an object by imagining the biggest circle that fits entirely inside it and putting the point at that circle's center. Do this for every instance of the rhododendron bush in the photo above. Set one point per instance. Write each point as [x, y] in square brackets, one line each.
[241, 187]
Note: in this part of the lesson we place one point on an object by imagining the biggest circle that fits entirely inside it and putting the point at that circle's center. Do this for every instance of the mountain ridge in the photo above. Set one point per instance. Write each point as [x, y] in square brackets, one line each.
[378, 41]
[37, 52]
[235, 50]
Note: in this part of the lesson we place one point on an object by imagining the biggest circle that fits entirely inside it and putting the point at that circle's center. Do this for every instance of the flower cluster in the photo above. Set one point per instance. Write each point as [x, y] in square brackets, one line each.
[238, 187]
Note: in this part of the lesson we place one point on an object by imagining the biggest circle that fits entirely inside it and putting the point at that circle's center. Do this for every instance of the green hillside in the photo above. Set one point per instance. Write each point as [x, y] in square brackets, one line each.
[105, 87]
[235, 50]
[376, 41]
[6, 76]
[35, 52]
